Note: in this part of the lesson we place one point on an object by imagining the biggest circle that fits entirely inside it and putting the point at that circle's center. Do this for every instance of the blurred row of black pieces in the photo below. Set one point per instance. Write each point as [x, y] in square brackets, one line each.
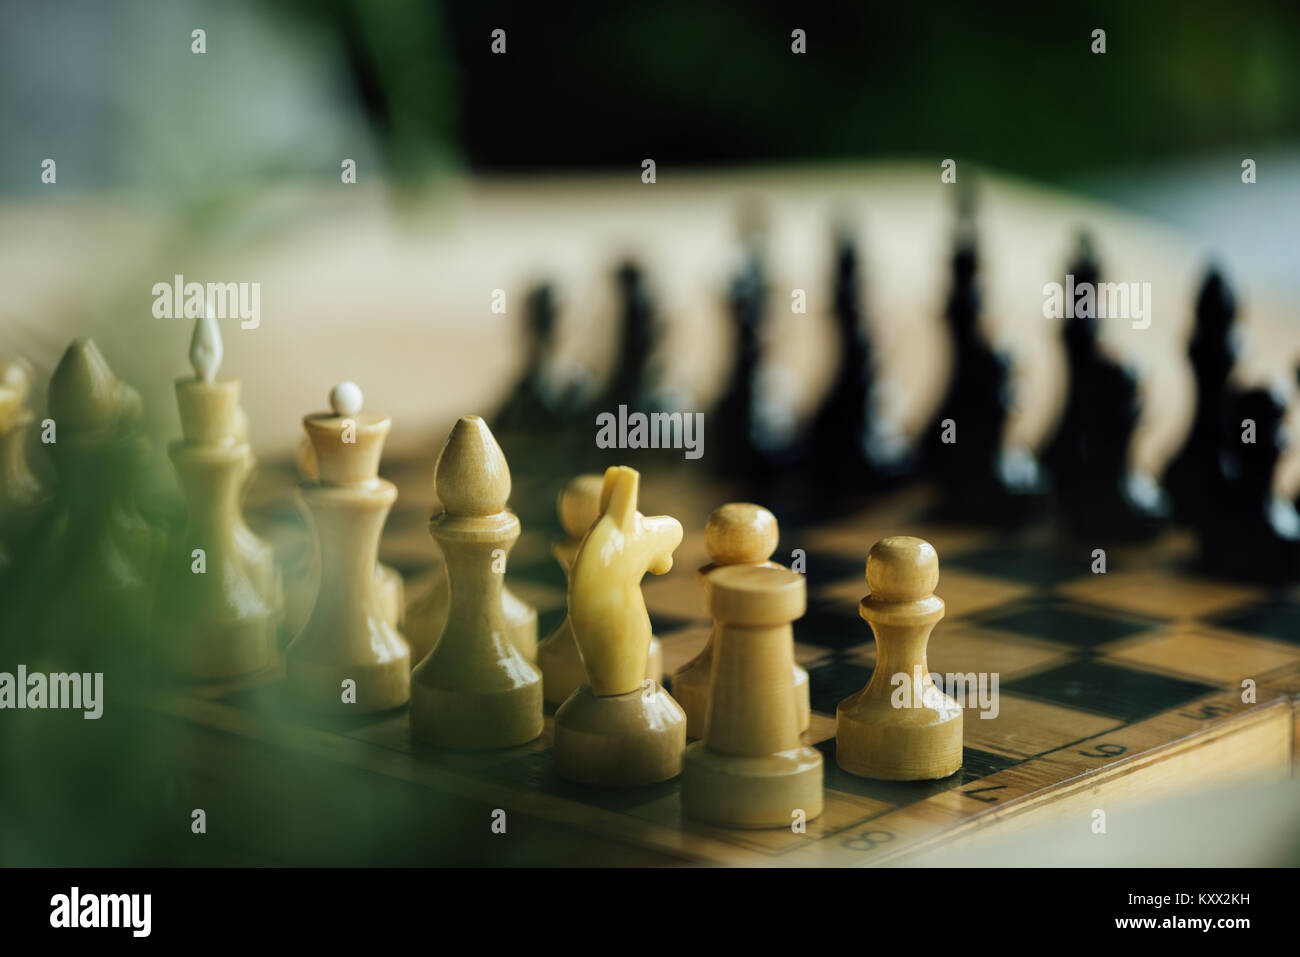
[1221, 482]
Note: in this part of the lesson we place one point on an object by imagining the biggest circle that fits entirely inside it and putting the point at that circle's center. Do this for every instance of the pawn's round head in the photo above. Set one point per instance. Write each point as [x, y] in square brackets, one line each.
[741, 533]
[579, 504]
[902, 568]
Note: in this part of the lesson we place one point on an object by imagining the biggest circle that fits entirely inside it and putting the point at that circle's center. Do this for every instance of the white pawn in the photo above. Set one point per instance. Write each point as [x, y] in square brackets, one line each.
[901, 726]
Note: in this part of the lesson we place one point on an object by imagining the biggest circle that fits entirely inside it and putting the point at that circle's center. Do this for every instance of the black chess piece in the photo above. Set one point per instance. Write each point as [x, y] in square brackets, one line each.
[982, 477]
[1212, 349]
[1250, 532]
[1100, 495]
[633, 380]
[752, 429]
[540, 399]
[850, 441]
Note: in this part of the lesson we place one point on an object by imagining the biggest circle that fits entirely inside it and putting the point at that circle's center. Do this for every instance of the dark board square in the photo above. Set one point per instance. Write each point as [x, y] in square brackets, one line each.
[798, 501]
[533, 491]
[548, 621]
[663, 624]
[825, 568]
[975, 765]
[1032, 565]
[1109, 690]
[547, 573]
[831, 681]
[1060, 620]
[535, 771]
[1276, 618]
[832, 624]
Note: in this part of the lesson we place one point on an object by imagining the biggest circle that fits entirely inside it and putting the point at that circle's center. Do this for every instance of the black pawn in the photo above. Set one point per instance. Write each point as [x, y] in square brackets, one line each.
[1212, 350]
[1100, 495]
[850, 443]
[1250, 532]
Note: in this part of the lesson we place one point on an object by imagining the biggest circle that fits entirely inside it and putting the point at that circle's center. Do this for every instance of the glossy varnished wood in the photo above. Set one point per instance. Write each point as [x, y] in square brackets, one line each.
[1065, 762]
[347, 637]
[303, 575]
[475, 690]
[738, 533]
[876, 736]
[751, 770]
[619, 729]
[557, 655]
[212, 620]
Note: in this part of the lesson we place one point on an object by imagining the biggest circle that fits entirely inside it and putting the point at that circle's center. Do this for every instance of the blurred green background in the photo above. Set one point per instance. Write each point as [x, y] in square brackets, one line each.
[588, 84]
[411, 91]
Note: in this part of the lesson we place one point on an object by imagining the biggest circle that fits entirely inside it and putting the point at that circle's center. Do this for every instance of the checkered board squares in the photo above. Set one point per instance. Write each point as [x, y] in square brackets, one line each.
[1052, 618]
[1098, 674]
[1108, 689]
[976, 764]
[1159, 593]
[833, 680]
[1277, 618]
[1021, 727]
[1207, 655]
[1031, 566]
[962, 648]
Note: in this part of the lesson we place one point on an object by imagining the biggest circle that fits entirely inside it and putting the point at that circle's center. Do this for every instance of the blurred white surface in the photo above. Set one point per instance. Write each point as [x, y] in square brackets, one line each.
[1250, 825]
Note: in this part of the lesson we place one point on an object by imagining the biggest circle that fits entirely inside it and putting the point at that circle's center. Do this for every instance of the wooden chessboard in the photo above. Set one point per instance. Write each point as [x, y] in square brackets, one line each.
[1113, 687]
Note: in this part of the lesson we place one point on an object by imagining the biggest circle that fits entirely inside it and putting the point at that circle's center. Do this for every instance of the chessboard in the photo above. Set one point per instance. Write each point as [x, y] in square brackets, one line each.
[1146, 680]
